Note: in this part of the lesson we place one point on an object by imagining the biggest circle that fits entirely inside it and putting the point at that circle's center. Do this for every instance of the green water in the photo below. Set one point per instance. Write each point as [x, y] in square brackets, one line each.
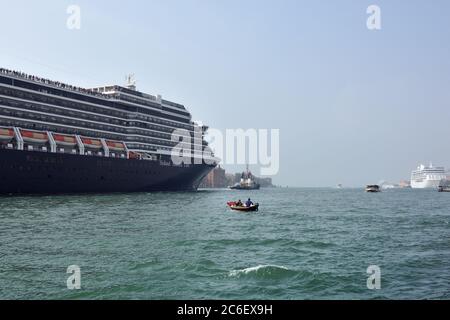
[302, 244]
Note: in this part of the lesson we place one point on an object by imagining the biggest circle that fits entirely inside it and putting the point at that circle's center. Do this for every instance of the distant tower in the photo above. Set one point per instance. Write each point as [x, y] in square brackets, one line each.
[131, 82]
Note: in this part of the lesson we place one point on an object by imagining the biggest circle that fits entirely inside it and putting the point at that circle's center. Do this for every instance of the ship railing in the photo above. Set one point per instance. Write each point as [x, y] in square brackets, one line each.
[57, 84]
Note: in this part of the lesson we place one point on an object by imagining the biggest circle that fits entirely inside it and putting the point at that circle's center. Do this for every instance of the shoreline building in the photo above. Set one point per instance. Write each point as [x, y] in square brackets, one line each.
[216, 178]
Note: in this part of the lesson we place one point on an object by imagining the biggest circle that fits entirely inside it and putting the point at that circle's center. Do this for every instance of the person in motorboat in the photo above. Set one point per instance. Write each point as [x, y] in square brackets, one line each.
[239, 203]
[248, 203]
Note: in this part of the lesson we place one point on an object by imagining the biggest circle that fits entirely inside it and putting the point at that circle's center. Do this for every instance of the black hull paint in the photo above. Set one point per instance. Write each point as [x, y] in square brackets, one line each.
[32, 172]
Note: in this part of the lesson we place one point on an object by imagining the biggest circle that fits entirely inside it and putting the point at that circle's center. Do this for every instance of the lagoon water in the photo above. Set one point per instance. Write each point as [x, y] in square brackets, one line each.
[302, 244]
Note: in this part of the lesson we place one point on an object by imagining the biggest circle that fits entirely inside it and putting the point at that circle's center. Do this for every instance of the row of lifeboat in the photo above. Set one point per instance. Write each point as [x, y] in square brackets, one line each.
[37, 137]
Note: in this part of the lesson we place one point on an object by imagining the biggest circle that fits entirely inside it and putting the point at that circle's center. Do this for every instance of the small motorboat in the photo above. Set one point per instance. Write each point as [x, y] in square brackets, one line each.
[373, 188]
[233, 206]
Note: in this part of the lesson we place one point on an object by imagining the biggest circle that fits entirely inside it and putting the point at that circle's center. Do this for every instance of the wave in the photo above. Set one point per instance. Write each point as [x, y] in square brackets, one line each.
[263, 271]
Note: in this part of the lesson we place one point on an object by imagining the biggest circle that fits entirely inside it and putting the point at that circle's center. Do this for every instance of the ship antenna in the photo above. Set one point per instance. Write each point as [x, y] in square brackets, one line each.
[131, 82]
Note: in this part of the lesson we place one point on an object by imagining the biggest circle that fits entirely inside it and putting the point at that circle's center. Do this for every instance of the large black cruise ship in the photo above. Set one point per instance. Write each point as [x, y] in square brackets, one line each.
[58, 138]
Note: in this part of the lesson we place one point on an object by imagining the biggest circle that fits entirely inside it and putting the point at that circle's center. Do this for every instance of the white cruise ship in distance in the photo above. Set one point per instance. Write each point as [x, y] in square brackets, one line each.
[427, 177]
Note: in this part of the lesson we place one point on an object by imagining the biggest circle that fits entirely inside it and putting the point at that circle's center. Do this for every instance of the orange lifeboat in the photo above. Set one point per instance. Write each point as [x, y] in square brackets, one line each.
[64, 140]
[6, 134]
[92, 143]
[134, 155]
[34, 136]
[115, 146]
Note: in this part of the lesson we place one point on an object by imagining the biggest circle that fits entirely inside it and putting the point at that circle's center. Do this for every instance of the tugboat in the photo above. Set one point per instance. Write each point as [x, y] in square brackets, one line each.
[247, 182]
[373, 188]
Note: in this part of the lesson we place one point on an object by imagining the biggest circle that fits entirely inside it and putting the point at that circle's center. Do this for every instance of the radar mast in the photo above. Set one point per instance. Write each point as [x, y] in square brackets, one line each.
[131, 82]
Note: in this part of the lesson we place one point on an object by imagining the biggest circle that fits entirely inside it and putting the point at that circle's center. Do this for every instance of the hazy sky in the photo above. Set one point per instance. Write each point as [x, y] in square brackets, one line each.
[353, 106]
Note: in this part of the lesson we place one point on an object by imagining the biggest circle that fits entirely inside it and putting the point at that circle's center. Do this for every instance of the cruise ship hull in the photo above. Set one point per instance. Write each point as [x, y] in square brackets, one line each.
[31, 172]
[426, 184]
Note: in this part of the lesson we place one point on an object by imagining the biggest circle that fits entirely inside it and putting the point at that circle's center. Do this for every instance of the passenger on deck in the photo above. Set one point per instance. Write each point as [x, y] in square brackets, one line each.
[239, 203]
[249, 203]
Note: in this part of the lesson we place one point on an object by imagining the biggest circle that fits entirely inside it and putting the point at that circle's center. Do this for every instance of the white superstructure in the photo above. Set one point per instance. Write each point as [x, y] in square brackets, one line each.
[427, 177]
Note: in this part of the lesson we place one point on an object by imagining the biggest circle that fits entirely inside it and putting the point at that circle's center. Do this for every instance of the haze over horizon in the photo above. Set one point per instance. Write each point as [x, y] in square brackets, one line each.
[353, 106]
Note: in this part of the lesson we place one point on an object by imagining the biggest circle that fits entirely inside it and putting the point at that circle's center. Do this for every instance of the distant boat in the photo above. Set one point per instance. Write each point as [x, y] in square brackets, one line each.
[373, 188]
[444, 186]
[247, 182]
